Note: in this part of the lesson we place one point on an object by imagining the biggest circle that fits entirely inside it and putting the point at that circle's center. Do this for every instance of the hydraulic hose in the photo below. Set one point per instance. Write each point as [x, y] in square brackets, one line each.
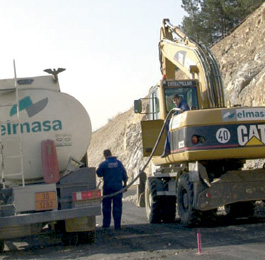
[149, 159]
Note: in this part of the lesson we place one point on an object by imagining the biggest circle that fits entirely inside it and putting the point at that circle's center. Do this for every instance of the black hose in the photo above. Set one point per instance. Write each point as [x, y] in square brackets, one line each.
[149, 159]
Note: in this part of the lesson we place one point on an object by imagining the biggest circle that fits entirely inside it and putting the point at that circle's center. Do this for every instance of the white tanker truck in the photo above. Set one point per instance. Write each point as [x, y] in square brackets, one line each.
[44, 136]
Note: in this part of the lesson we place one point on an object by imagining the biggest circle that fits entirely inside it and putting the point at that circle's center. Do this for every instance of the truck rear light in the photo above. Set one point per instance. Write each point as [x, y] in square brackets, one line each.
[86, 195]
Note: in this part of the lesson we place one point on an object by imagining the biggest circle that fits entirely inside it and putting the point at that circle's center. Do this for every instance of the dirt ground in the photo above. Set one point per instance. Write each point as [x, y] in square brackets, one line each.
[223, 239]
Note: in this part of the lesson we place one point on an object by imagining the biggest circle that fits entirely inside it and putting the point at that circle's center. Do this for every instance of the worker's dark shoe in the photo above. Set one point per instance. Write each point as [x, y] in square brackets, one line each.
[105, 227]
[117, 228]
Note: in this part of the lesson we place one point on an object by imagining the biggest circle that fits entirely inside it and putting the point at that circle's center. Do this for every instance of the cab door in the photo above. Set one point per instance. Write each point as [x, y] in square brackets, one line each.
[150, 133]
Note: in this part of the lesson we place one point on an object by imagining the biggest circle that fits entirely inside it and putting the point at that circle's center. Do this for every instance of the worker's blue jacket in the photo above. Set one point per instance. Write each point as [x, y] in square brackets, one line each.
[183, 105]
[113, 173]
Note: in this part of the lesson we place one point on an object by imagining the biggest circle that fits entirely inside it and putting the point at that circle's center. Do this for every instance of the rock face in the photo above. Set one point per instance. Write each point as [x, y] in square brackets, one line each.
[122, 135]
[241, 56]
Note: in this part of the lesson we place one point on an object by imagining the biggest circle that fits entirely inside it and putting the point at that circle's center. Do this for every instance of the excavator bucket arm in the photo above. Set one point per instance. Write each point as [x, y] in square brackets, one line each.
[177, 50]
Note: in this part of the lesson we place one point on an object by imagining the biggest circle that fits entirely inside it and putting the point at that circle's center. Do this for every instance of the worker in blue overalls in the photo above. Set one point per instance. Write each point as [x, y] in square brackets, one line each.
[114, 178]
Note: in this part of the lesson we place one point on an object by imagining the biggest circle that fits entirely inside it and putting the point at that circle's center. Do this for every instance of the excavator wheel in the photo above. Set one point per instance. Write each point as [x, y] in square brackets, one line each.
[153, 205]
[240, 209]
[188, 215]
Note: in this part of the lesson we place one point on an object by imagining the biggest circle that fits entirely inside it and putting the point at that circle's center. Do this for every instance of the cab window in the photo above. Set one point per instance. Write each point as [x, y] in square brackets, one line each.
[154, 106]
[187, 93]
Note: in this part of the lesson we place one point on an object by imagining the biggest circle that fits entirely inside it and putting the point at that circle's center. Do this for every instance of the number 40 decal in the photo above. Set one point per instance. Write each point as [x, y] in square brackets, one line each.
[223, 135]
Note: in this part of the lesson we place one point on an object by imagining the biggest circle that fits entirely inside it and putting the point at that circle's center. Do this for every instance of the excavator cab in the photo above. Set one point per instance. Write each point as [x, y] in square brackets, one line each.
[188, 93]
[157, 106]
[159, 101]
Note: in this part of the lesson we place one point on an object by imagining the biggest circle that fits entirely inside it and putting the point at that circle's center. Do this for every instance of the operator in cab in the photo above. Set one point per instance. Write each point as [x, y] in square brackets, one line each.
[182, 104]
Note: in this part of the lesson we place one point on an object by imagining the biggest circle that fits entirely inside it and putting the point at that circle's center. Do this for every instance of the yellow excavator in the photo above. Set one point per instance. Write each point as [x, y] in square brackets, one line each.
[209, 143]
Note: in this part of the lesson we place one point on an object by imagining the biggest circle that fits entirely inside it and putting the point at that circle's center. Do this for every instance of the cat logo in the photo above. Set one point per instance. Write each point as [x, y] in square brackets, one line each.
[251, 135]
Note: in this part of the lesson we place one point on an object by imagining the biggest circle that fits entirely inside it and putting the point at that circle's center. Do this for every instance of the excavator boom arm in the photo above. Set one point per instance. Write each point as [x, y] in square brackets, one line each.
[195, 60]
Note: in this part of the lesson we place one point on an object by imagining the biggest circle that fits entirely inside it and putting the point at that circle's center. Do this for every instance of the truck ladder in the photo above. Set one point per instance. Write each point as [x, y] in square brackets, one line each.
[10, 146]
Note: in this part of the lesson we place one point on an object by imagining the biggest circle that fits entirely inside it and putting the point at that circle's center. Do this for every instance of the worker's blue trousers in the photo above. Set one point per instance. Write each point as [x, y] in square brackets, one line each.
[116, 211]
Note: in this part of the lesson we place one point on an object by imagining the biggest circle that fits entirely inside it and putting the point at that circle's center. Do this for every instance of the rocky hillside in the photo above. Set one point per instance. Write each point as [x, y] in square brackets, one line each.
[241, 56]
[122, 135]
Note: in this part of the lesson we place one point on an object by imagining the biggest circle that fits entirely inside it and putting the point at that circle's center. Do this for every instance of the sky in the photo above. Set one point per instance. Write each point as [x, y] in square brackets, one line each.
[108, 47]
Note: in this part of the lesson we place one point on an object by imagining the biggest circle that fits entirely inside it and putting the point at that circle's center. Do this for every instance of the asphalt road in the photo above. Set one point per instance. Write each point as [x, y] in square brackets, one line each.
[240, 239]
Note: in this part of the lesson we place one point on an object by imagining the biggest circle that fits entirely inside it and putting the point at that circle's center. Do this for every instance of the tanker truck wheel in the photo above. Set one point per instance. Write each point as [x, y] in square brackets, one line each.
[152, 201]
[188, 215]
[86, 237]
[70, 239]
